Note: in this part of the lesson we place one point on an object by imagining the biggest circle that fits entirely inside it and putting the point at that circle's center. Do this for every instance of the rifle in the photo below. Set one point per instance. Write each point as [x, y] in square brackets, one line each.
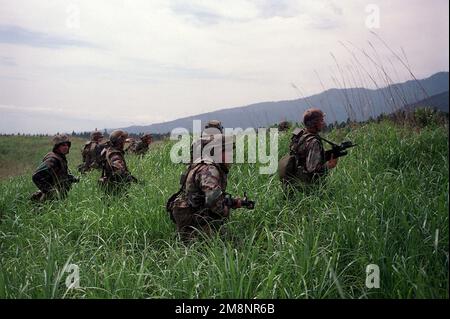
[232, 202]
[337, 150]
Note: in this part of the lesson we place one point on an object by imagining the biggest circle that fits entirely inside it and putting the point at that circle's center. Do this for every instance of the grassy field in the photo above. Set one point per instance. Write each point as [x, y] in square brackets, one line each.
[21, 155]
[385, 204]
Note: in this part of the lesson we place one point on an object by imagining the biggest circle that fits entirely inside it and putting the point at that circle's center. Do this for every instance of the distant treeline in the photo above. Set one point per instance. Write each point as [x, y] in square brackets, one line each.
[420, 117]
[87, 135]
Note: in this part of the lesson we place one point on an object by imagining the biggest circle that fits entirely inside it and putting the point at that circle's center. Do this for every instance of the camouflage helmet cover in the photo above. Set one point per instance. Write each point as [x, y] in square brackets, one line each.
[96, 134]
[118, 135]
[59, 139]
[146, 136]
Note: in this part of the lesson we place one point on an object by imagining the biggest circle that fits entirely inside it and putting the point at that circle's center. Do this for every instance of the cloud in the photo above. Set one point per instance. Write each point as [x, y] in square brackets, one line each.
[18, 35]
[21, 119]
[213, 12]
[135, 59]
[7, 60]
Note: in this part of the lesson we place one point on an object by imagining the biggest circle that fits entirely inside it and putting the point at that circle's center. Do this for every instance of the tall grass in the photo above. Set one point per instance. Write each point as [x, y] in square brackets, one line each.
[386, 204]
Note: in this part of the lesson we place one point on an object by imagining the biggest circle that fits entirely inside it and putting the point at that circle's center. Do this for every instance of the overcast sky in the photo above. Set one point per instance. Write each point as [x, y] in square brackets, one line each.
[78, 65]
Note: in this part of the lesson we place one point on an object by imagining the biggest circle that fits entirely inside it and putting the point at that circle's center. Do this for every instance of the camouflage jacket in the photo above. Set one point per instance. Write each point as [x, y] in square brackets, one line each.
[139, 148]
[309, 152]
[53, 174]
[91, 155]
[114, 166]
[204, 188]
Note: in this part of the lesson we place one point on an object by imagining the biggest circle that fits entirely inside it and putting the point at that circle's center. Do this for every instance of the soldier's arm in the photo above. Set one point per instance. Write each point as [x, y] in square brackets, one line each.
[209, 181]
[119, 168]
[43, 177]
[314, 161]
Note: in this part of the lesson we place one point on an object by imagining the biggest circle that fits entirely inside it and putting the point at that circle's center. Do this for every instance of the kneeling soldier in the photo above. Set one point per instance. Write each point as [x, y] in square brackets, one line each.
[140, 147]
[52, 176]
[115, 174]
[202, 202]
[91, 153]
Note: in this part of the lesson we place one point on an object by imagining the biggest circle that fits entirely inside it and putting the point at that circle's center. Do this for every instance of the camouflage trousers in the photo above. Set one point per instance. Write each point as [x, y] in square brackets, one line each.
[191, 221]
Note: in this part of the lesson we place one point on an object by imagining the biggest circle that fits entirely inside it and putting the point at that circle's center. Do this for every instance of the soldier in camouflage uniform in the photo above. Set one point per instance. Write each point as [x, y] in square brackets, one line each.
[202, 203]
[307, 147]
[91, 153]
[140, 147]
[115, 174]
[212, 128]
[52, 176]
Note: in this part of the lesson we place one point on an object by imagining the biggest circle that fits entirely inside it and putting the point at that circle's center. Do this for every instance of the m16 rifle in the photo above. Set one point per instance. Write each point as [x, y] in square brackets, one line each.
[231, 202]
[337, 150]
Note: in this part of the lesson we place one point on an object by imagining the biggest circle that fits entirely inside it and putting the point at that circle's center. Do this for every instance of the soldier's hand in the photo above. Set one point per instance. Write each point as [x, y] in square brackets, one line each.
[332, 162]
[226, 211]
[132, 179]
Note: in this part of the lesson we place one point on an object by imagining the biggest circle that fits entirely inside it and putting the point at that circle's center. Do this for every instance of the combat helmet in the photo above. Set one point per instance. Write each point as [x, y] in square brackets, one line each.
[146, 136]
[214, 124]
[96, 135]
[117, 136]
[204, 148]
[59, 139]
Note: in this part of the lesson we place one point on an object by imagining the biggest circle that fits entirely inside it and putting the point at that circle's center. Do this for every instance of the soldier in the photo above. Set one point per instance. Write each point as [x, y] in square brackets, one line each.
[115, 174]
[140, 147]
[202, 202]
[91, 153]
[284, 126]
[306, 145]
[52, 176]
[212, 128]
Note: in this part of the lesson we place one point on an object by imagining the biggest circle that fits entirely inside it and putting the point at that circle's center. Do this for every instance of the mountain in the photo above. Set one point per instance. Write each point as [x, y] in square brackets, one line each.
[439, 102]
[339, 104]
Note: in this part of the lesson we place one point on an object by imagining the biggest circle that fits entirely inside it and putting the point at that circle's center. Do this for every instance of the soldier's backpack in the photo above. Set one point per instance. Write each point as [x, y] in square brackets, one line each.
[183, 179]
[85, 149]
[287, 165]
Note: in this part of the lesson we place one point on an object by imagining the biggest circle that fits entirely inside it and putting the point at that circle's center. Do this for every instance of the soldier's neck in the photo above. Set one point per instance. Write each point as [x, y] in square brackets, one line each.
[312, 130]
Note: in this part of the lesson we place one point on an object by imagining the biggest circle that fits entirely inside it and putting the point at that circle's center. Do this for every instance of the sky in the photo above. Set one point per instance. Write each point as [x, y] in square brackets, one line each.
[79, 65]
